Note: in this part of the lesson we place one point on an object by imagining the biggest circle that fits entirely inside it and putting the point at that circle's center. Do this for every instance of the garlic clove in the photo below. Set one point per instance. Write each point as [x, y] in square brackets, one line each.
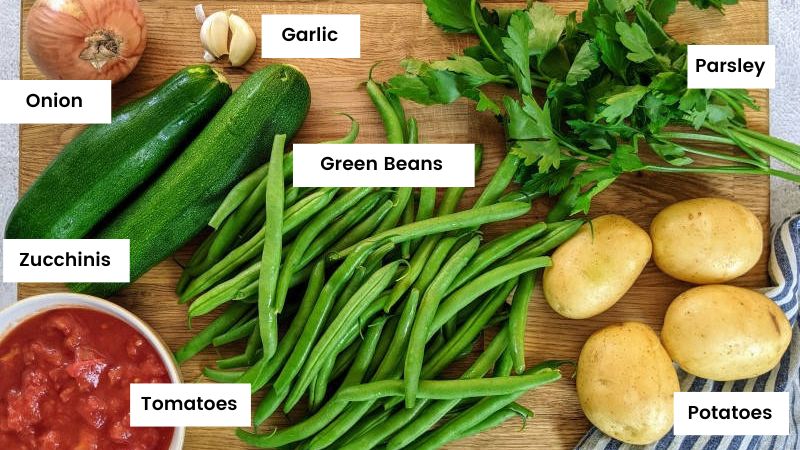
[214, 34]
[243, 41]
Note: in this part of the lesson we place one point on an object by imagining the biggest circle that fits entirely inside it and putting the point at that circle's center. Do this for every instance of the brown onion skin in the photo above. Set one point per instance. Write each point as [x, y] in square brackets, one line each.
[56, 30]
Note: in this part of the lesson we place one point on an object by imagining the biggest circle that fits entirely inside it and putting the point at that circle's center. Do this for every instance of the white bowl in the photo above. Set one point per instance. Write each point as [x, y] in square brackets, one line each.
[24, 309]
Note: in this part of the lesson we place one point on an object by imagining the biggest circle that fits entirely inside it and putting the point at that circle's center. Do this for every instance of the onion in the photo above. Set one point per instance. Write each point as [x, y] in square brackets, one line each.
[86, 39]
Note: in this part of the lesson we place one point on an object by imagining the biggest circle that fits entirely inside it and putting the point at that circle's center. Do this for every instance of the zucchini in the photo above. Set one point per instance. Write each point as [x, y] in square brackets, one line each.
[178, 205]
[102, 166]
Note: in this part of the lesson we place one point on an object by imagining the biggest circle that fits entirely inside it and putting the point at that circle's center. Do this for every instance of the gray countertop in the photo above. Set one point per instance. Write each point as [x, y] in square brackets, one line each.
[784, 108]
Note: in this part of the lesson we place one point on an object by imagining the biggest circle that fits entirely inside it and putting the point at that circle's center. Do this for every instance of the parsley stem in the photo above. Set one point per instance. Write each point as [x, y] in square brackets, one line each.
[574, 149]
[723, 156]
[669, 135]
[736, 170]
[473, 7]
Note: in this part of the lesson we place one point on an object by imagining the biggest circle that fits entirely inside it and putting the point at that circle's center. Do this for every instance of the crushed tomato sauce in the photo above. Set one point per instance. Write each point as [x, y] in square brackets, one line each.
[65, 378]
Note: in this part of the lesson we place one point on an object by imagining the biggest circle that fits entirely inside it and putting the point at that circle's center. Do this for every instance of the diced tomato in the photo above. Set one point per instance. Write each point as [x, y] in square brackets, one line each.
[65, 383]
[87, 373]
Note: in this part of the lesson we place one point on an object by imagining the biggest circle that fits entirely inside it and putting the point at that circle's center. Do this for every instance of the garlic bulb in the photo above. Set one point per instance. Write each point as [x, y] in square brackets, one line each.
[243, 41]
[214, 36]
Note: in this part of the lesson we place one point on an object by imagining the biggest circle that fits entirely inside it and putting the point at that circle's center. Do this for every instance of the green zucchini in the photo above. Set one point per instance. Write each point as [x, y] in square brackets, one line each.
[178, 205]
[106, 163]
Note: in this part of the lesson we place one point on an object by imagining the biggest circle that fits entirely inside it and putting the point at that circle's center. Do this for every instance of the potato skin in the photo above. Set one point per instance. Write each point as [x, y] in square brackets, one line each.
[706, 240]
[725, 333]
[625, 382]
[596, 267]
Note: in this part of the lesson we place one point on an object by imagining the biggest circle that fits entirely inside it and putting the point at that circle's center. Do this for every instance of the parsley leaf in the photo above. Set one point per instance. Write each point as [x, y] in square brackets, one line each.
[469, 67]
[586, 60]
[450, 15]
[546, 30]
[515, 46]
[621, 105]
[634, 39]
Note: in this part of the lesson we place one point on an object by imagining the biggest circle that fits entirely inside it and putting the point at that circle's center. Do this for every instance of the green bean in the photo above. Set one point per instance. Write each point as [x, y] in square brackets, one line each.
[427, 310]
[519, 196]
[413, 131]
[271, 255]
[255, 224]
[435, 261]
[238, 195]
[318, 317]
[376, 419]
[483, 283]
[221, 293]
[401, 198]
[449, 222]
[341, 226]
[254, 246]
[261, 373]
[245, 359]
[493, 421]
[408, 217]
[308, 235]
[399, 345]
[391, 122]
[430, 412]
[197, 256]
[452, 196]
[319, 387]
[365, 228]
[384, 344]
[506, 362]
[204, 338]
[474, 416]
[236, 333]
[327, 413]
[449, 389]
[222, 376]
[351, 135]
[242, 286]
[344, 360]
[427, 203]
[426, 208]
[467, 333]
[388, 368]
[503, 176]
[350, 313]
[415, 268]
[518, 319]
[550, 241]
[496, 250]
[352, 286]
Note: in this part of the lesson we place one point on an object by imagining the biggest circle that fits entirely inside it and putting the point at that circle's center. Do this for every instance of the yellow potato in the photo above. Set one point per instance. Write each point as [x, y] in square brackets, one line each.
[706, 240]
[626, 382]
[725, 333]
[596, 267]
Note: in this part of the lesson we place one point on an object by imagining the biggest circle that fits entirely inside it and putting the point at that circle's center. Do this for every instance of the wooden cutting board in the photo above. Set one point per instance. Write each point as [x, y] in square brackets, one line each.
[392, 30]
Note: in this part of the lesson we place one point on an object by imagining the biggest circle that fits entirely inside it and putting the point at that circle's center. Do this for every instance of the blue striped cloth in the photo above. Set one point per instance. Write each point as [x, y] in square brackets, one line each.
[783, 268]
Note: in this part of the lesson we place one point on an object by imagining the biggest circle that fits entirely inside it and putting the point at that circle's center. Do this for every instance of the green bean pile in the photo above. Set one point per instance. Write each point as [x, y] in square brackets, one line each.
[377, 292]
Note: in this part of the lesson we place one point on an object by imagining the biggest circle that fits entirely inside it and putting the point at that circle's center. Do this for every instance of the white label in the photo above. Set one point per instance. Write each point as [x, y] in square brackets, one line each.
[190, 405]
[311, 36]
[731, 66]
[731, 413]
[384, 165]
[66, 260]
[55, 101]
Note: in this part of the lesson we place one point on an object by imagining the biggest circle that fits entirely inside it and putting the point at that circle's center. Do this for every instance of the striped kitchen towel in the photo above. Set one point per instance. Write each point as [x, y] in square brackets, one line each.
[783, 268]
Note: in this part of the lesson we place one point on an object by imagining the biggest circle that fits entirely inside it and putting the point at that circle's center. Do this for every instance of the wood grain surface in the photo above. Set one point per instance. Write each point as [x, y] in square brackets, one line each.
[390, 31]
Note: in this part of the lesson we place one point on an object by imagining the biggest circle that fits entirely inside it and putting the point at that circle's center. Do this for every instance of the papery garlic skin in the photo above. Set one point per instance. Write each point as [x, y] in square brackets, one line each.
[243, 41]
[214, 34]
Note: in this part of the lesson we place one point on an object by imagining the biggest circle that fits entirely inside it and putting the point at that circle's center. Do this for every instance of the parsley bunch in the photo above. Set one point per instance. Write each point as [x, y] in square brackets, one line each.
[590, 96]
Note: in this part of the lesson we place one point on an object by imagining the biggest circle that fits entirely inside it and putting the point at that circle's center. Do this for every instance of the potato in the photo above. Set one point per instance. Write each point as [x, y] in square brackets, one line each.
[725, 333]
[625, 383]
[706, 240]
[596, 267]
